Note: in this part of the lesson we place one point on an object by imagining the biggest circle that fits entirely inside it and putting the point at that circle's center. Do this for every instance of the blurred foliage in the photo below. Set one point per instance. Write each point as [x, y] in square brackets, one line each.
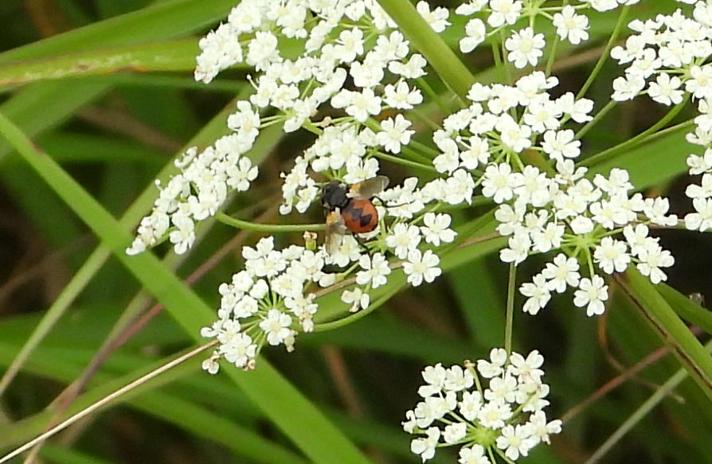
[114, 129]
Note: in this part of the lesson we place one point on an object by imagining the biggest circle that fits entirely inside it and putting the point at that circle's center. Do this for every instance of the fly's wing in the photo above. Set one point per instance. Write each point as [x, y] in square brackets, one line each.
[369, 188]
[335, 230]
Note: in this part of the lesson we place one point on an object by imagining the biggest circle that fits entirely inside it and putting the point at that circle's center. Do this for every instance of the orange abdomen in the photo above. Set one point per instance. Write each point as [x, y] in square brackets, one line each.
[360, 216]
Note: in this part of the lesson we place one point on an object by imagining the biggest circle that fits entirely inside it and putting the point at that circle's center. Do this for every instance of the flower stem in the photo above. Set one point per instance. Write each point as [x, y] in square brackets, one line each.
[640, 138]
[510, 308]
[596, 119]
[606, 51]
[245, 225]
[552, 55]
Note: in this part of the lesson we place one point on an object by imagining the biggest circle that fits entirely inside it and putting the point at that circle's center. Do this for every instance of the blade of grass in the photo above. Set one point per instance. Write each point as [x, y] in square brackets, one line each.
[175, 55]
[162, 21]
[97, 259]
[670, 328]
[640, 413]
[41, 106]
[686, 308]
[160, 404]
[62, 455]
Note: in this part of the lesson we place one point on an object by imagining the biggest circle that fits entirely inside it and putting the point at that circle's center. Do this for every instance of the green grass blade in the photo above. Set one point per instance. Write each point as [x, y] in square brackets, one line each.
[686, 308]
[670, 328]
[41, 106]
[640, 413]
[175, 55]
[162, 405]
[162, 21]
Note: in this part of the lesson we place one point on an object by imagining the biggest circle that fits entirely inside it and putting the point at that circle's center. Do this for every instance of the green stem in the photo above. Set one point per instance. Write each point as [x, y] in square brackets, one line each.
[552, 55]
[604, 55]
[511, 289]
[498, 64]
[353, 317]
[447, 65]
[245, 225]
[596, 119]
[655, 399]
[640, 138]
[405, 162]
[433, 96]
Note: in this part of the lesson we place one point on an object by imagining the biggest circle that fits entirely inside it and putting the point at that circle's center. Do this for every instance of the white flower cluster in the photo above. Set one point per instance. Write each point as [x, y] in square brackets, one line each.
[266, 302]
[339, 39]
[495, 409]
[701, 194]
[542, 211]
[524, 46]
[597, 225]
[667, 56]
[200, 189]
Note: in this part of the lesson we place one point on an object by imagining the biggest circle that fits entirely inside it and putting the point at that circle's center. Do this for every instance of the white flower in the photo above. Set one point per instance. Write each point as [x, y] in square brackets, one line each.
[541, 429]
[591, 293]
[425, 447]
[357, 298]
[652, 259]
[403, 239]
[494, 414]
[402, 97]
[437, 18]
[571, 26]
[351, 44]
[499, 182]
[560, 273]
[276, 327]
[611, 255]
[701, 219]
[627, 88]
[504, 12]
[561, 144]
[239, 350]
[437, 229]
[421, 266]
[515, 441]
[538, 294]
[475, 33]
[394, 133]
[514, 136]
[665, 90]
[525, 47]
[493, 367]
[454, 433]
[375, 268]
[473, 455]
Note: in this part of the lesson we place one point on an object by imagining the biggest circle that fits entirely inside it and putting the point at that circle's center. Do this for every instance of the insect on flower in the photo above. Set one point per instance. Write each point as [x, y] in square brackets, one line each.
[349, 208]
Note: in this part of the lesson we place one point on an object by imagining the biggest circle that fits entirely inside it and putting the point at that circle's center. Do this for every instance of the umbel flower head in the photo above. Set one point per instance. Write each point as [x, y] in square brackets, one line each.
[491, 409]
